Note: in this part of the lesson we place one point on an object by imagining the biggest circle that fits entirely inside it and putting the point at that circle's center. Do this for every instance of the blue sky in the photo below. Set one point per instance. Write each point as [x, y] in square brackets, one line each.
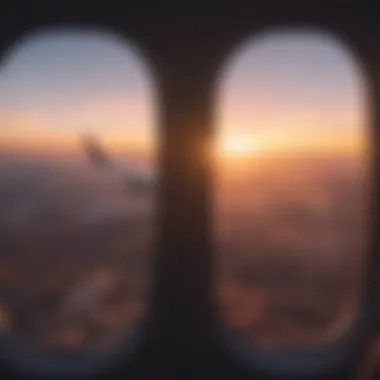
[293, 76]
[63, 80]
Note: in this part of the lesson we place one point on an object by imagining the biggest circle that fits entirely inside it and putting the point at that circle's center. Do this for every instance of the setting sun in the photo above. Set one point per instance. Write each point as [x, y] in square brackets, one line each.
[236, 146]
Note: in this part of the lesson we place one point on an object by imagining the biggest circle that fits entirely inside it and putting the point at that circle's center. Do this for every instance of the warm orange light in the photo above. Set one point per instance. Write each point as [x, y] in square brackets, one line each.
[237, 145]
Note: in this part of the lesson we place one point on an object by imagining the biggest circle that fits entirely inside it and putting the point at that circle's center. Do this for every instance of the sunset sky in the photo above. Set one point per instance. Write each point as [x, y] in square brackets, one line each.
[57, 85]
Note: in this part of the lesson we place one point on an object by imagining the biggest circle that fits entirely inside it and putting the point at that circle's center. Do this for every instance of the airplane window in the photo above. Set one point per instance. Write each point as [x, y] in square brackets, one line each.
[291, 192]
[77, 186]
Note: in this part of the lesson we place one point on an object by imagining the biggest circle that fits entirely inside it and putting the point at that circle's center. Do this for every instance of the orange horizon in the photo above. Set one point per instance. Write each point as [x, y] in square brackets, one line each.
[227, 145]
[69, 144]
[73, 149]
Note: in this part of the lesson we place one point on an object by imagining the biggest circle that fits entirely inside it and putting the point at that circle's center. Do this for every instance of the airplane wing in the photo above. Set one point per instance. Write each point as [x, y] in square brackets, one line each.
[133, 178]
[95, 152]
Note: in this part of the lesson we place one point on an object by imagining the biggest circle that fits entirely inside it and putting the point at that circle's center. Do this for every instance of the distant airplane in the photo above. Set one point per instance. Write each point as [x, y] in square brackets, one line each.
[135, 180]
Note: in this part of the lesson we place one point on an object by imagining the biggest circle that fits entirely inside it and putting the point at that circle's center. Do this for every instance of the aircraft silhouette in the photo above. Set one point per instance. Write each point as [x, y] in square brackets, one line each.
[135, 180]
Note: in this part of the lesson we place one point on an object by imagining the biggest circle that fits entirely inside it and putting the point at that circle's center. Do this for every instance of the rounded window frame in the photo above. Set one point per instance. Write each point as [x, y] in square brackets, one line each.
[23, 357]
[328, 358]
[14, 362]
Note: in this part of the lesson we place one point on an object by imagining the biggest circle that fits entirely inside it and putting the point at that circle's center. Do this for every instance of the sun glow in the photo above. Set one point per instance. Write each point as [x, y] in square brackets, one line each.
[237, 146]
